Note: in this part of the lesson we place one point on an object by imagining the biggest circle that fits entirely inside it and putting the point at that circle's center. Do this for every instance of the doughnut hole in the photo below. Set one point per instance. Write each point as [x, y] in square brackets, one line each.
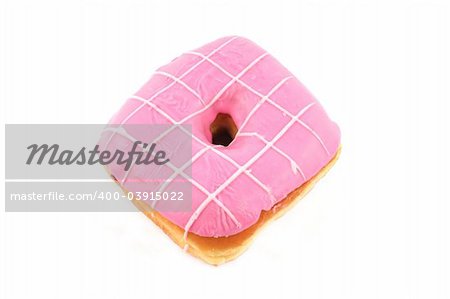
[223, 129]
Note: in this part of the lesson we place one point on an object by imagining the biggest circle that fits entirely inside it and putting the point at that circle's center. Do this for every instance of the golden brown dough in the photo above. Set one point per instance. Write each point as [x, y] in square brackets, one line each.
[216, 251]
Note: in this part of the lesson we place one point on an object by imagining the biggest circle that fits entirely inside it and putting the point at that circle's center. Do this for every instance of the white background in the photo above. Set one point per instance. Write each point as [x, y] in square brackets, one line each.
[377, 226]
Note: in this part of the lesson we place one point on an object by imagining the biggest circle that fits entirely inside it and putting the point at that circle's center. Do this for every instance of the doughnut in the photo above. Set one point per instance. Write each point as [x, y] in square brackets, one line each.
[260, 141]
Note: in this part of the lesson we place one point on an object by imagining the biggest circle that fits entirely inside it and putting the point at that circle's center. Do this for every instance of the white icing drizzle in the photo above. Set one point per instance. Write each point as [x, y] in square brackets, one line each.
[178, 123]
[203, 205]
[240, 168]
[182, 168]
[294, 166]
[207, 146]
[122, 131]
[221, 154]
[173, 82]
[179, 81]
[261, 101]
[268, 99]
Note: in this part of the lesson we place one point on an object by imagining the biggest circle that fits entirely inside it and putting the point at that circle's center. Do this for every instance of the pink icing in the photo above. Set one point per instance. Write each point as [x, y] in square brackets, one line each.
[285, 137]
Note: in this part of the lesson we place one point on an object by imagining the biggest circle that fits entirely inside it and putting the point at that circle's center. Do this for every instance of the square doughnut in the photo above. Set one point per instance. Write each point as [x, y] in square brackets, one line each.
[259, 138]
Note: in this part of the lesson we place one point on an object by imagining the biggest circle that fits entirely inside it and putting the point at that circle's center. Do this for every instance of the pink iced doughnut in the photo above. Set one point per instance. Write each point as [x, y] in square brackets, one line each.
[280, 135]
